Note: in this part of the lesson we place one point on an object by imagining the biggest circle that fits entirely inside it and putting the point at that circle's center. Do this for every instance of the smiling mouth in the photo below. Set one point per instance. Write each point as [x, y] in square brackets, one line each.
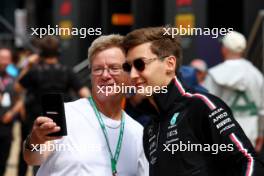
[139, 84]
[105, 85]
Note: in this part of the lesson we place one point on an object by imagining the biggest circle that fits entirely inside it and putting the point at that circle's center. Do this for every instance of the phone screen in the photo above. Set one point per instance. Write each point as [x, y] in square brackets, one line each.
[53, 107]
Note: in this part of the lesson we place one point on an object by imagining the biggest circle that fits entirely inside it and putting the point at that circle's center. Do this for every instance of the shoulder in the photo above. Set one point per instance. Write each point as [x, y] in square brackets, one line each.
[207, 103]
[203, 100]
[79, 116]
[218, 67]
[30, 76]
[229, 66]
[78, 102]
[133, 125]
[33, 70]
[79, 105]
[216, 118]
[65, 68]
[254, 71]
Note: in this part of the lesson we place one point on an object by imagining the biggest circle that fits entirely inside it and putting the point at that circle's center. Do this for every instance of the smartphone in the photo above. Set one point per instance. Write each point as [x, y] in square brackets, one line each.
[53, 107]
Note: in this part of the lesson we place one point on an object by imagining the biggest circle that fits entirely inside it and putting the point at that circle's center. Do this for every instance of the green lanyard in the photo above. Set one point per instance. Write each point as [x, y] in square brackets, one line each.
[114, 158]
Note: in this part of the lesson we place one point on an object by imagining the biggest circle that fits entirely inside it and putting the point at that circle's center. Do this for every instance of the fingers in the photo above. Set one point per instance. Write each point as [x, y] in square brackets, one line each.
[41, 120]
[47, 128]
[47, 125]
[44, 126]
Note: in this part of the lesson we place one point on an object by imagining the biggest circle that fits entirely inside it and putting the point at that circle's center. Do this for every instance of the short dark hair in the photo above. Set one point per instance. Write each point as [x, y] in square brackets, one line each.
[161, 45]
[49, 47]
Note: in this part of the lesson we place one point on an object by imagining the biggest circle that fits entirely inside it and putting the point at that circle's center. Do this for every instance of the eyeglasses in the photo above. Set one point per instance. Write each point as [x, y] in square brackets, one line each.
[114, 70]
[139, 64]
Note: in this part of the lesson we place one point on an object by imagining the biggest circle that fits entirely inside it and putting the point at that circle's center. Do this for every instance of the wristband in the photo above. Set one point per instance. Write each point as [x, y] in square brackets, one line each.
[29, 146]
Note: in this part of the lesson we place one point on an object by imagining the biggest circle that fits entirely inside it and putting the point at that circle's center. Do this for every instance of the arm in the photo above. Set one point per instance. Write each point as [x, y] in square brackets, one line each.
[225, 130]
[260, 139]
[32, 60]
[38, 136]
[9, 115]
[16, 107]
[18, 87]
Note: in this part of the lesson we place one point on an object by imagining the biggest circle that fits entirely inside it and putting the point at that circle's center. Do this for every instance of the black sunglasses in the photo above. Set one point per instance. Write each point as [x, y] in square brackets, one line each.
[139, 64]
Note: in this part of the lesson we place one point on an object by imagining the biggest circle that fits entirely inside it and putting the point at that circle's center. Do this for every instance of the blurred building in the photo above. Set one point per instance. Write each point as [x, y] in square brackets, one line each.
[121, 16]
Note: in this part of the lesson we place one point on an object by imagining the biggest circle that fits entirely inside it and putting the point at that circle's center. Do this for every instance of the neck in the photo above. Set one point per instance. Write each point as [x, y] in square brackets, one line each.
[110, 108]
[153, 103]
[169, 78]
[166, 82]
[51, 60]
[233, 56]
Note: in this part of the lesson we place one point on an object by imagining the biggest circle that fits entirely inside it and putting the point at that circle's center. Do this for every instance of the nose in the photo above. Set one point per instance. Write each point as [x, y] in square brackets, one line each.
[134, 73]
[105, 74]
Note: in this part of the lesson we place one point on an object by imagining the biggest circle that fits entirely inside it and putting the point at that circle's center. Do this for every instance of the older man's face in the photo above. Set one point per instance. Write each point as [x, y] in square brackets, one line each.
[106, 71]
[5, 59]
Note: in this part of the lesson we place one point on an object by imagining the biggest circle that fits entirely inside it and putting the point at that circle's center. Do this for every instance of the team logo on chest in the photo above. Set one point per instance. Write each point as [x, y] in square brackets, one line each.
[174, 119]
[172, 129]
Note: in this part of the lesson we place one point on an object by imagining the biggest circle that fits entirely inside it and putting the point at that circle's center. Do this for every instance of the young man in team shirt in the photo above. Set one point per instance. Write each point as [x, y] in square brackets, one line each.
[182, 139]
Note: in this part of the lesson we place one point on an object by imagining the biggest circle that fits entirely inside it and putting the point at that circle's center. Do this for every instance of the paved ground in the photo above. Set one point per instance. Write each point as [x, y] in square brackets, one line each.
[13, 159]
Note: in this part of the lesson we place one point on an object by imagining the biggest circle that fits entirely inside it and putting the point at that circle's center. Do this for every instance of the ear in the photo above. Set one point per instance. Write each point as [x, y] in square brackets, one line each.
[170, 63]
[225, 52]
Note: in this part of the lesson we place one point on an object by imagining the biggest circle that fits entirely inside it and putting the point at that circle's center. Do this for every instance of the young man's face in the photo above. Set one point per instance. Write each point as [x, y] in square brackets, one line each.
[106, 71]
[154, 73]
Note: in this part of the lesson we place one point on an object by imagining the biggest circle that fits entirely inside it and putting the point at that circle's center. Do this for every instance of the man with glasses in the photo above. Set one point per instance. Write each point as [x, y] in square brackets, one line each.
[102, 139]
[191, 133]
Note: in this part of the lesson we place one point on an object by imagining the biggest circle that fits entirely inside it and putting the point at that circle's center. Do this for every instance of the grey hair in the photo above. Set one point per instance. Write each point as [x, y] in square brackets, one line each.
[104, 42]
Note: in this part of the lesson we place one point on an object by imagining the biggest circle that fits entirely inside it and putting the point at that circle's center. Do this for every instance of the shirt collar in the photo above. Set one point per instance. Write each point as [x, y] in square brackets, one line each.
[172, 101]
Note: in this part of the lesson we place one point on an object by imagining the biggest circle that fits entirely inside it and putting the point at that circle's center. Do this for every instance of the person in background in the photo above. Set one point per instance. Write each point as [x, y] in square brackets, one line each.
[44, 74]
[241, 85]
[201, 70]
[9, 107]
[190, 77]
